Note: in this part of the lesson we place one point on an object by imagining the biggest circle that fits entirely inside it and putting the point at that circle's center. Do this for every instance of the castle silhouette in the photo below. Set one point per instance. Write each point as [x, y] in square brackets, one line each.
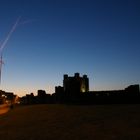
[75, 90]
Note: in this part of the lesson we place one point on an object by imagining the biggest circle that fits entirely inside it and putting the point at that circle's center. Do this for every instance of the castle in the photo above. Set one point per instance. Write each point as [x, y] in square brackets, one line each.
[76, 84]
[75, 90]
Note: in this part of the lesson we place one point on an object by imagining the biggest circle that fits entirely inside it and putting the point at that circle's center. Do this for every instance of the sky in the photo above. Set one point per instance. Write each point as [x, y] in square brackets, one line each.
[100, 38]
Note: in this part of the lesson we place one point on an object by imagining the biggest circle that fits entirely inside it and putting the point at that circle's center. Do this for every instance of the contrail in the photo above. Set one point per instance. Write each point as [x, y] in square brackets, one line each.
[27, 21]
[9, 34]
[1, 63]
[2, 45]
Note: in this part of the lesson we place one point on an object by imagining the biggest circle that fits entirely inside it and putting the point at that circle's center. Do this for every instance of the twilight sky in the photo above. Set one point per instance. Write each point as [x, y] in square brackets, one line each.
[100, 38]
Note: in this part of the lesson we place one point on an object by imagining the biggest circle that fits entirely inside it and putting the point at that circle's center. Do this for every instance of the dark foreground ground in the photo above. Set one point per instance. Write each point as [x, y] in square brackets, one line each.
[67, 122]
[3, 109]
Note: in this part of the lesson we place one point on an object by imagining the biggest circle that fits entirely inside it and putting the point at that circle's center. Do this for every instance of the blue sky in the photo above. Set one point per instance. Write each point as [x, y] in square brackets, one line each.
[94, 37]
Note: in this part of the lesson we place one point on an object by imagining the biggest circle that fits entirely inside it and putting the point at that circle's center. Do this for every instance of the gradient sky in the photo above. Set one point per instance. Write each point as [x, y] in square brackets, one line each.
[100, 38]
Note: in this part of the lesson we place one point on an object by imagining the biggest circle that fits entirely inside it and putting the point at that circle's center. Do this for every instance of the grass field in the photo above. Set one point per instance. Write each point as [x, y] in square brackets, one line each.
[68, 122]
[3, 109]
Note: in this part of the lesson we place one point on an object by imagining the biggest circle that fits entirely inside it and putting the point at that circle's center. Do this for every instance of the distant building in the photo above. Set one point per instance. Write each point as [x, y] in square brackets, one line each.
[75, 84]
[59, 94]
[75, 90]
[43, 97]
[132, 89]
[59, 90]
[7, 97]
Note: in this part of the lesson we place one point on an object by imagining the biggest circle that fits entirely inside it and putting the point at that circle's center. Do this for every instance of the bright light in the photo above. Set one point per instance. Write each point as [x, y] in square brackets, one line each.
[83, 89]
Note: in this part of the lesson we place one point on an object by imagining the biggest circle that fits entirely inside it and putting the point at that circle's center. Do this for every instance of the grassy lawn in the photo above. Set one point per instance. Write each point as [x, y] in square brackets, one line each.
[3, 109]
[69, 122]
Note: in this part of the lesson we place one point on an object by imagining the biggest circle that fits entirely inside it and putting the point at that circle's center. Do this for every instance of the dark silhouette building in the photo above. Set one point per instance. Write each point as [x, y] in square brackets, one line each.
[59, 94]
[7, 97]
[75, 84]
[75, 90]
[132, 89]
[59, 90]
[43, 97]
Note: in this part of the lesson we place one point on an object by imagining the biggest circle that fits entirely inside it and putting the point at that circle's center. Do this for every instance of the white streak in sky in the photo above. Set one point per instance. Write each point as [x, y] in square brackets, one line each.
[1, 63]
[27, 21]
[9, 34]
